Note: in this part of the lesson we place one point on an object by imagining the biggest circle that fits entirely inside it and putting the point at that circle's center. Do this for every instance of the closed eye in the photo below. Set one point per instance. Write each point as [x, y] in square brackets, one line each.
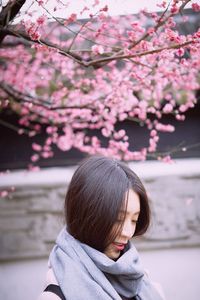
[134, 221]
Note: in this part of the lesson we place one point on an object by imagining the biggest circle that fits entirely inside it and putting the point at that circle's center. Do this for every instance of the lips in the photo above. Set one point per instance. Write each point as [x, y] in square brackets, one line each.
[119, 246]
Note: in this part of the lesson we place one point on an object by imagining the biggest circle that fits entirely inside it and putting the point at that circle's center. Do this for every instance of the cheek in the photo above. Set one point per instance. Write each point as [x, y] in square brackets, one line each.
[134, 229]
[128, 229]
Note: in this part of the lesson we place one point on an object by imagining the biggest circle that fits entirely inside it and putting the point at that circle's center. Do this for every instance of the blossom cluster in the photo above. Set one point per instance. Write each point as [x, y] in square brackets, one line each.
[139, 72]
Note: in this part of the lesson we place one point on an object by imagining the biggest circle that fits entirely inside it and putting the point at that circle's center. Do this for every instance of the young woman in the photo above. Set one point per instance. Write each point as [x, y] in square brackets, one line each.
[106, 205]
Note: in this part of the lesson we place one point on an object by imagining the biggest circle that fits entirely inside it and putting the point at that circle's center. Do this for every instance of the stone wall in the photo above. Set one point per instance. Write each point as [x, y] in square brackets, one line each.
[31, 217]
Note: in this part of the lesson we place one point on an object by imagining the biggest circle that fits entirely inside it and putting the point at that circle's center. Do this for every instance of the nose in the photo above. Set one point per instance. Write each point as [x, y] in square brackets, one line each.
[128, 230]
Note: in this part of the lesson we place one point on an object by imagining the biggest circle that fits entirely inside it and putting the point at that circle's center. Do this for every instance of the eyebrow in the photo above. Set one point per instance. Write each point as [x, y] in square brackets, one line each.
[136, 213]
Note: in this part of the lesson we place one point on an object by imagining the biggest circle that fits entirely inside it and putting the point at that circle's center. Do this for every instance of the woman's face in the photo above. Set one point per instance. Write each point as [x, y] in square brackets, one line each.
[129, 225]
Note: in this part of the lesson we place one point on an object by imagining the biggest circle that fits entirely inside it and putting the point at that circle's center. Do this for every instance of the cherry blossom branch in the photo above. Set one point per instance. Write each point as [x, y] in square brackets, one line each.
[22, 97]
[61, 51]
[96, 63]
[161, 22]
[108, 59]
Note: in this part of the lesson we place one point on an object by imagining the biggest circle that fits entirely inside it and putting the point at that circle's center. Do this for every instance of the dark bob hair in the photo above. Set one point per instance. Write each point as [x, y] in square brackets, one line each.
[96, 194]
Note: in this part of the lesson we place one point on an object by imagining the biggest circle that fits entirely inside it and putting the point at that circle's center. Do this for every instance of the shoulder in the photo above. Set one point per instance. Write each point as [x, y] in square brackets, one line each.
[48, 296]
[50, 279]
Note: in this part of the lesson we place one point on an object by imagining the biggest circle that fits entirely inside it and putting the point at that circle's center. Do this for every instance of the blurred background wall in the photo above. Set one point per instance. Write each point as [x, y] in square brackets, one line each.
[31, 218]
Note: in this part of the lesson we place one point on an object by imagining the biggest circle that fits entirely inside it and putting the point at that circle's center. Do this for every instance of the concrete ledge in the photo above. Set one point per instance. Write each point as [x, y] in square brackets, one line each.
[147, 169]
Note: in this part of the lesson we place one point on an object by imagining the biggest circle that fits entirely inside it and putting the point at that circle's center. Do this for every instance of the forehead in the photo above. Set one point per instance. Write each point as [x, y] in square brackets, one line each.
[133, 202]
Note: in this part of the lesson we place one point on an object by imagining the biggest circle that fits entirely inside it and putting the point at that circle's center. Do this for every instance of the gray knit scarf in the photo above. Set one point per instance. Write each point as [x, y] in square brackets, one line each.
[84, 273]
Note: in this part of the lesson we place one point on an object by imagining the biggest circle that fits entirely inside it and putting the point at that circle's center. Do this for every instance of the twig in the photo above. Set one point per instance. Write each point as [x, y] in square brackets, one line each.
[22, 97]
[160, 23]
[76, 35]
[12, 127]
[72, 31]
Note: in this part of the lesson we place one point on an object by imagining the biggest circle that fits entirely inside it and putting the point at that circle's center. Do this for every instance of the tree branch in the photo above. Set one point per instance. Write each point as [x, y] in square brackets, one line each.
[13, 127]
[22, 34]
[98, 62]
[108, 59]
[22, 97]
[8, 13]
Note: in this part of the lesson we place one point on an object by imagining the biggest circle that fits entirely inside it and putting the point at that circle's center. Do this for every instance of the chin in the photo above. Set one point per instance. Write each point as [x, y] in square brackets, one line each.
[116, 256]
[113, 254]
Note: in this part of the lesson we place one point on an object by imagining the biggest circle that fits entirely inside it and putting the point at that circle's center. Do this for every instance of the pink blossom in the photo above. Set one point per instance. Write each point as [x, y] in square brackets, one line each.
[3, 194]
[132, 36]
[95, 142]
[40, 2]
[46, 154]
[36, 147]
[153, 145]
[41, 20]
[71, 19]
[196, 7]
[166, 159]
[21, 131]
[106, 132]
[122, 116]
[105, 8]
[165, 128]
[96, 2]
[153, 133]
[102, 16]
[85, 8]
[64, 143]
[172, 35]
[75, 99]
[32, 133]
[34, 157]
[183, 108]
[51, 129]
[168, 108]
[162, 5]
[174, 9]
[151, 30]
[32, 30]
[180, 52]
[97, 49]
[180, 117]
[33, 168]
[119, 134]
[37, 127]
